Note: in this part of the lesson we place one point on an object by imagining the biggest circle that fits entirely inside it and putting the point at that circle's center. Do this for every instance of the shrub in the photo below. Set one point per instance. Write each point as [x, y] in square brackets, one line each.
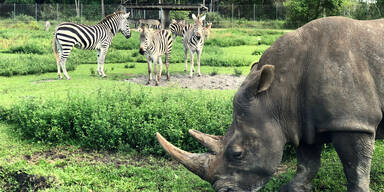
[30, 46]
[18, 64]
[115, 118]
[179, 15]
[24, 18]
[237, 72]
[214, 72]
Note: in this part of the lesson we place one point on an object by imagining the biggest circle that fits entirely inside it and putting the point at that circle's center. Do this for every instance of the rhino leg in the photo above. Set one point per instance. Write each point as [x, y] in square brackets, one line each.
[308, 163]
[355, 151]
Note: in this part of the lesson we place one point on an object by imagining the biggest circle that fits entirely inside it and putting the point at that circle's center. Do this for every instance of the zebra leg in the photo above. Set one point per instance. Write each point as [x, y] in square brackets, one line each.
[62, 63]
[58, 65]
[167, 64]
[185, 57]
[160, 68]
[198, 53]
[149, 70]
[102, 60]
[191, 71]
[155, 61]
[98, 62]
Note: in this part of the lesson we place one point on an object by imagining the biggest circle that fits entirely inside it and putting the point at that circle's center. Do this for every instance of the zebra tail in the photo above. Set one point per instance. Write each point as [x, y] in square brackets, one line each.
[54, 46]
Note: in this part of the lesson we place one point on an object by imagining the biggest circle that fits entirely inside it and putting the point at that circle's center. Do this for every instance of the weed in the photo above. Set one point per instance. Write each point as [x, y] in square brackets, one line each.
[214, 72]
[237, 72]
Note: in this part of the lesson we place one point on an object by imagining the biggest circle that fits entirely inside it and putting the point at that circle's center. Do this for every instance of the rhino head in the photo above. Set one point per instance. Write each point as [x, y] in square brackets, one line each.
[249, 153]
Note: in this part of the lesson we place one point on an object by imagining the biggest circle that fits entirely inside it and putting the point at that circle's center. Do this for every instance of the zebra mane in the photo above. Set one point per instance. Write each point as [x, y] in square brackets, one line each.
[108, 17]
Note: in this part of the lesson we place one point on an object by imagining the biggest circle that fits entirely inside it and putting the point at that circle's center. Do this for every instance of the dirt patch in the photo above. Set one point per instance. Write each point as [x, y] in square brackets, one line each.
[96, 157]
[45, 80]
[21, 181]
[202, 82]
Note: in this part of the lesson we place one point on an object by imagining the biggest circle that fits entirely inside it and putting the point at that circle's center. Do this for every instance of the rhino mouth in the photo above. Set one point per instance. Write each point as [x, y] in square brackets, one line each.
[229, 186]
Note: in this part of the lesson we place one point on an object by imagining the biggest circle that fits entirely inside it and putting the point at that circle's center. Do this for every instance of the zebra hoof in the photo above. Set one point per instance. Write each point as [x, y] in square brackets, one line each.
[156, 84]
[199, 75]
[148, 82]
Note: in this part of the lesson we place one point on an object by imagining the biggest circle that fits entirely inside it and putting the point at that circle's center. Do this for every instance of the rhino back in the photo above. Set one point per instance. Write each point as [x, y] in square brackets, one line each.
[329, 76]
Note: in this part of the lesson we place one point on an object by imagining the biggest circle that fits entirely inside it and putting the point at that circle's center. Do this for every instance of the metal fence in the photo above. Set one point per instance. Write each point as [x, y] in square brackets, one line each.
[92, 12]
[62, 12]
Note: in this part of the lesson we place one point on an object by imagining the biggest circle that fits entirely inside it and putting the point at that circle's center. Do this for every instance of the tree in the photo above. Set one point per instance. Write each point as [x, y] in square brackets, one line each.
[300, 12]
[102, 9]
[77, 5]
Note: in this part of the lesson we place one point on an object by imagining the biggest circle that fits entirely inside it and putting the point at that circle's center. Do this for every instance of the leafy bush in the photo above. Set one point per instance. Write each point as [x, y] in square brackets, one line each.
[17, 64]
[213, 17]
[34, 46]
[24, 18]
[179, 15]
[300, 12]
[124, 118]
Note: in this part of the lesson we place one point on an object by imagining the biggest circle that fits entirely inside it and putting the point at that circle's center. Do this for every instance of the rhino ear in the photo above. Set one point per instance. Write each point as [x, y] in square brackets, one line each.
[262, 80]
[267, 75]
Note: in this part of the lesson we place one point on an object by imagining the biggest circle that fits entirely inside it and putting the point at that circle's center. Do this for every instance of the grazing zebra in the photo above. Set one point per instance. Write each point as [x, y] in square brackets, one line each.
[193, 41]
[99, 37]
[152, 23]
[154, 44]
[207, 30]
[179, 28]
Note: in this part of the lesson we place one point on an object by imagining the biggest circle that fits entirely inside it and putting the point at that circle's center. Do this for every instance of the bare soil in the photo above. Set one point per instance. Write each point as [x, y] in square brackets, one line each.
[202, 82]
[21, 181]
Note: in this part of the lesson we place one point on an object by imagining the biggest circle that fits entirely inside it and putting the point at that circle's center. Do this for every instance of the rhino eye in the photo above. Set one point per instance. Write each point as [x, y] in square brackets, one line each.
[236, 153]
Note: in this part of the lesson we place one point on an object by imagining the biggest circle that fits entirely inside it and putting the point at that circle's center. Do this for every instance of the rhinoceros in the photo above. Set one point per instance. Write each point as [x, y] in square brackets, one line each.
[322, 83]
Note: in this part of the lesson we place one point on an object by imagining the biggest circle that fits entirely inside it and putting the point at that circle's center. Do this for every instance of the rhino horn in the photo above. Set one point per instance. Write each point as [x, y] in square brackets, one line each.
[198, 163]
[212, 142]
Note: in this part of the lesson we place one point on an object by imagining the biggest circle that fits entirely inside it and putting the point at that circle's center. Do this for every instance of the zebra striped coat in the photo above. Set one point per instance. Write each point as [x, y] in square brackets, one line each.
[154, 44]
[152, 23]
[179, 28]
[99, 37]
[193, 41]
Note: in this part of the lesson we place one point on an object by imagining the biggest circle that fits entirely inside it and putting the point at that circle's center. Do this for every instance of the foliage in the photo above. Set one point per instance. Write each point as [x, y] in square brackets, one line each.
[300, 12]
[179, 15]
[123, 118]
[15, 64]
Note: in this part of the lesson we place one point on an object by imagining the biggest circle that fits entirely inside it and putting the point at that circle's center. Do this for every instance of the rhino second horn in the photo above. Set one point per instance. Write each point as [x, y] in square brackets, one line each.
[198, 163]
[212, 142]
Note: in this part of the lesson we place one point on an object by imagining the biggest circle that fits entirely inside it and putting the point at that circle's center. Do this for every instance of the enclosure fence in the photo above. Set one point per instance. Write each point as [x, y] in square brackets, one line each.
[93, 12]
[61, 12]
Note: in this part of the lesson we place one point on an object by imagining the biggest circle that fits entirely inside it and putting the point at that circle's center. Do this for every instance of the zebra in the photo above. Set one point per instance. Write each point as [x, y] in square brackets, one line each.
[193, 41]
[152, 23]
[154, 44]
[179, 28]
[207, 30]
[68, 35]
[47, 25]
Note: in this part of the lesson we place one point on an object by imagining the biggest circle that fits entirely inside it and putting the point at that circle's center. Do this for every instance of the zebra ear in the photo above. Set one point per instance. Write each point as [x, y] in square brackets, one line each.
[202, 18]
[127, 15]
[194, 17]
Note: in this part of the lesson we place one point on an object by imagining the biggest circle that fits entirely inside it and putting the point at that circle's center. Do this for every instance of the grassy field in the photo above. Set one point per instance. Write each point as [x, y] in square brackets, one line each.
[37, 111]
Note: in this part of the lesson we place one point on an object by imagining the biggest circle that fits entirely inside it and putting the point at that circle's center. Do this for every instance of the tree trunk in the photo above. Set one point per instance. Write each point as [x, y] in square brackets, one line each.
[77, 7]
[102, 9]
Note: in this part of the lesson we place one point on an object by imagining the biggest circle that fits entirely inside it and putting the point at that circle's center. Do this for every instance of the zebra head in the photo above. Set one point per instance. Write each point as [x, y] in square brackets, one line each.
[145, 36]
[124, 26]
[198, 30]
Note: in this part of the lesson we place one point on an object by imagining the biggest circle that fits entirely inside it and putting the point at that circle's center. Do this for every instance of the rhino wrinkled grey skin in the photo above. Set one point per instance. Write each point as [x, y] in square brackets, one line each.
[322, 83]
